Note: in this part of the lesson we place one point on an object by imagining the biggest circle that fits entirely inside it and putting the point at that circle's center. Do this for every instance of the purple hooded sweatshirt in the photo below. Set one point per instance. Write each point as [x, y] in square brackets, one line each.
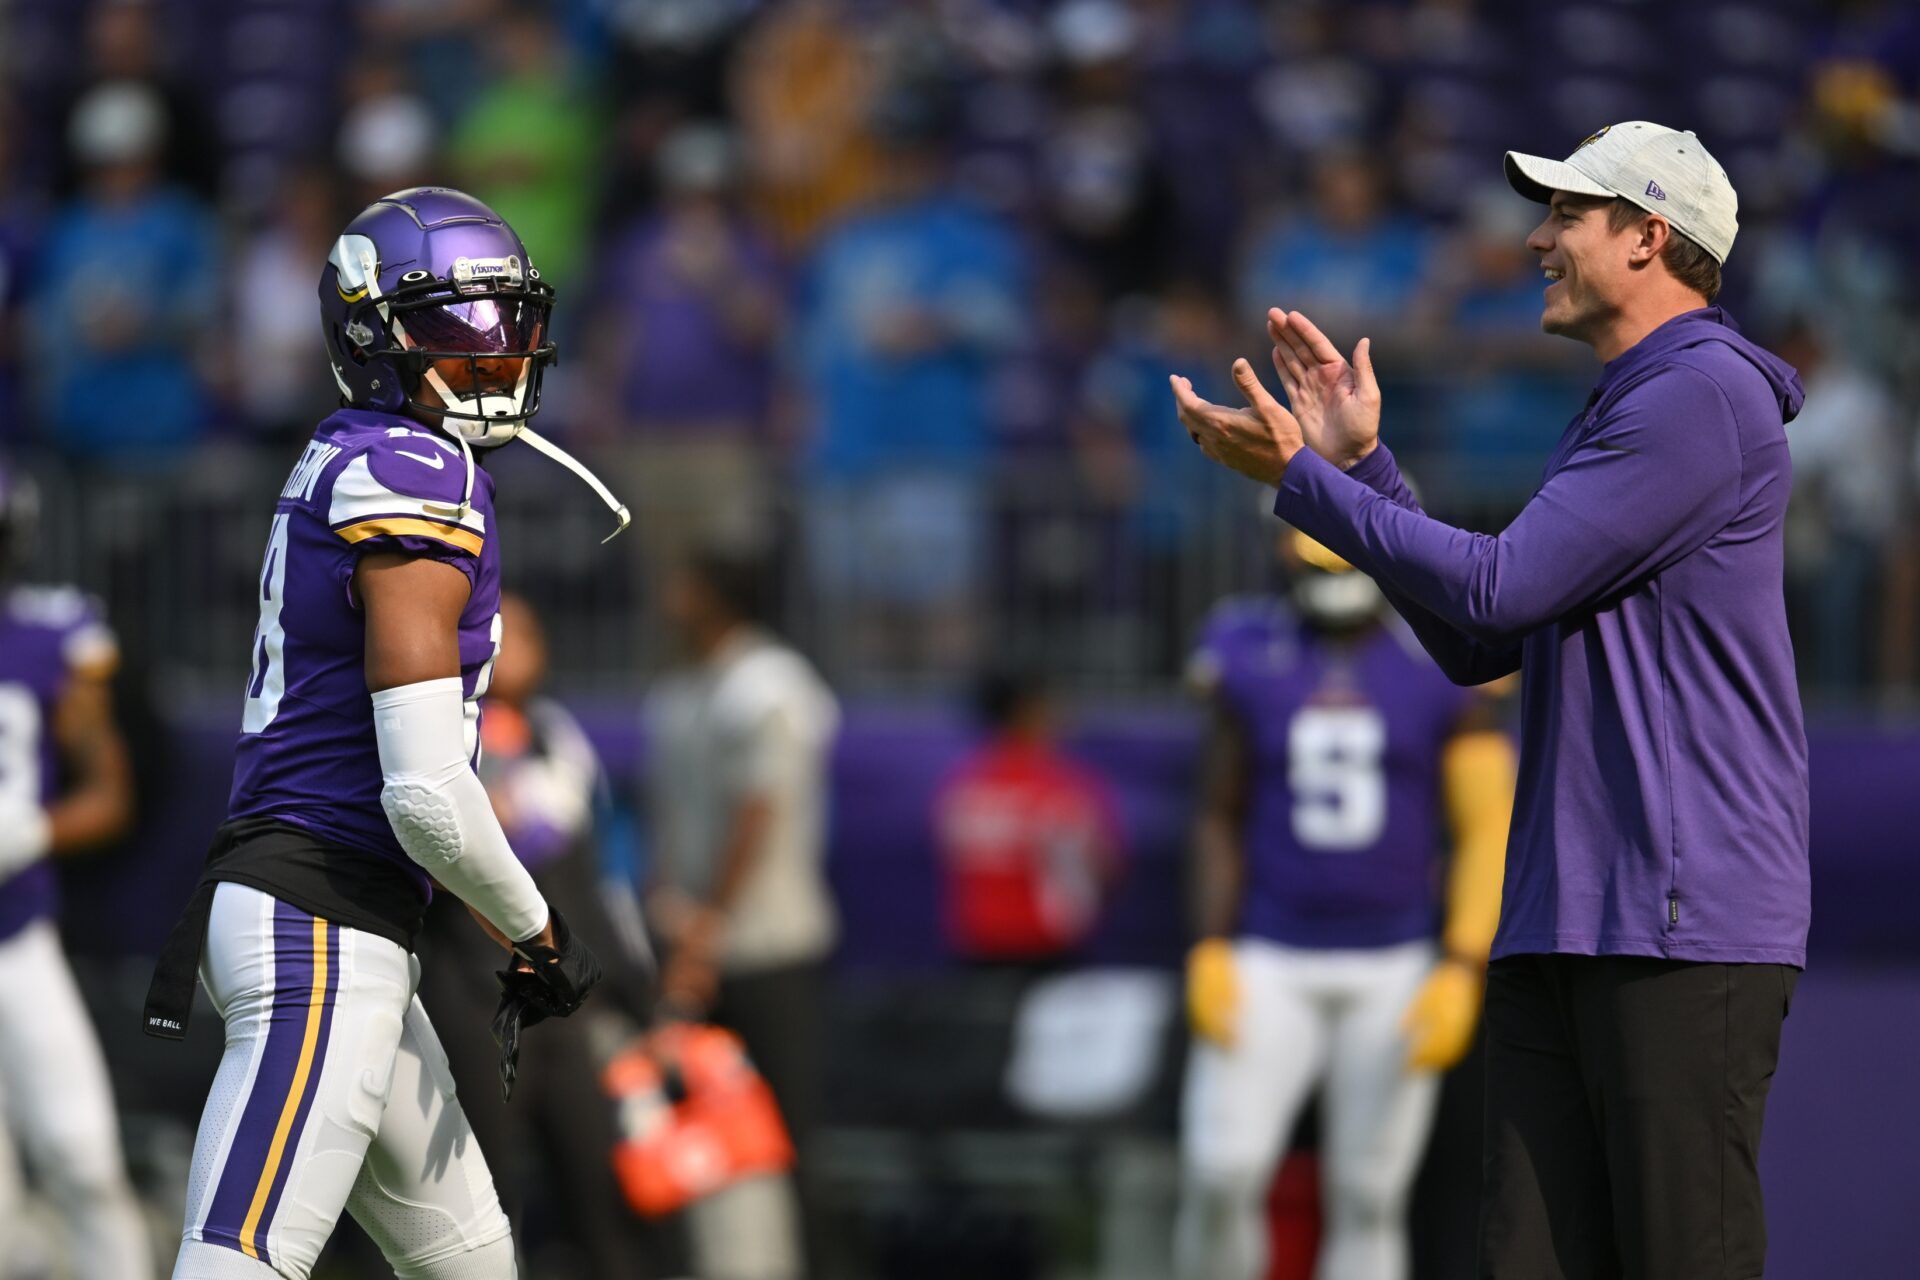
[1662, 803]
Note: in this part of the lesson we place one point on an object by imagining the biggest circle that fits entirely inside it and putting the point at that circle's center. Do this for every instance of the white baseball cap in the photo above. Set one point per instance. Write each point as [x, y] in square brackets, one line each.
[1662, 170]
[117, 122]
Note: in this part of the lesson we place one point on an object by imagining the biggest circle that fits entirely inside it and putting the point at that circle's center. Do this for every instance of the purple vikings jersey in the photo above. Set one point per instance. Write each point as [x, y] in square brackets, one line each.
[47, 636]
[307, 754]
[1343, 831]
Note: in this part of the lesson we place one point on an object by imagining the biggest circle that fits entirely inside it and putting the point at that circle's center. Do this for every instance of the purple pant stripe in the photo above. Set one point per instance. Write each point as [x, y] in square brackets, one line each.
[311, 1091]
[279, 1059]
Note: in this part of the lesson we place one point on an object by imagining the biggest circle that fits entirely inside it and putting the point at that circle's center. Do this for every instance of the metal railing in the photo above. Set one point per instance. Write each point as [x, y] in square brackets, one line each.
[1026, 566]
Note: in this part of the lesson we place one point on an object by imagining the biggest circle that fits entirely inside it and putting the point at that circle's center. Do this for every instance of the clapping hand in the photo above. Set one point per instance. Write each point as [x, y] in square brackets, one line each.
[1336, 403]
[1257, 441]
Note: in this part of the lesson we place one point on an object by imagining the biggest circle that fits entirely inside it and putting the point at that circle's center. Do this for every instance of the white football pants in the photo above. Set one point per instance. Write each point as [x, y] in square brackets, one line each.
[333, 1094]
[1307, 1016]
[58, 1109]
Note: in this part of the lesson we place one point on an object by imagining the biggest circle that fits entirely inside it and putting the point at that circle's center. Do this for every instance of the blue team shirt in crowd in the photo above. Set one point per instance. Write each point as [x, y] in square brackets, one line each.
[876, 410]
[145, 269]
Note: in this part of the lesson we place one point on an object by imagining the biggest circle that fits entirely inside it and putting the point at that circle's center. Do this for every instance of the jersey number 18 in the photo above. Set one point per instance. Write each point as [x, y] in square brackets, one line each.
[268, 679]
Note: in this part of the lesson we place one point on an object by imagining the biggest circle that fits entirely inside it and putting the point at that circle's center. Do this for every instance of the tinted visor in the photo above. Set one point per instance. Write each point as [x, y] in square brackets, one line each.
[500, 324]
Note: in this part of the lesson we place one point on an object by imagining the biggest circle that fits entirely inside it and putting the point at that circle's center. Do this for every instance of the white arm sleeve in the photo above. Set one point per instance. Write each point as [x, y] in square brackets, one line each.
[440, 812]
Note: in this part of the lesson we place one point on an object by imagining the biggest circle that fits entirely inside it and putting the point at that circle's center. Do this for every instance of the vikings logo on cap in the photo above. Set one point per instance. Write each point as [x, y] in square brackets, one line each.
[1595, 136]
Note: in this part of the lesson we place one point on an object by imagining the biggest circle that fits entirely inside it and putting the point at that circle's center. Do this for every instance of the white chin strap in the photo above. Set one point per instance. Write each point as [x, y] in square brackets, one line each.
[572, 464]
[522, 432]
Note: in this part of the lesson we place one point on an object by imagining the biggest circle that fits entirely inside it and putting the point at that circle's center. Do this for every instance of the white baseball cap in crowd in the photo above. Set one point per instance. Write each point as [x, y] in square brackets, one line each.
[1664, 171]
[117, 122]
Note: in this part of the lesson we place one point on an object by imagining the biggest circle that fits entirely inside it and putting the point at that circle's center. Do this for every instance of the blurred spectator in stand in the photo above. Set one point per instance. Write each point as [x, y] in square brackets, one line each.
[904, 312]
[1037, 390]
[280, 389]
[1350, 255]
[549, 1146]
[682, 334]
[1501, 395]
[1028, 837]
[439, 42]
[21, 218]
[1847, 493]
[1852, 252]
[388, 140]
[527, 144]
[739, 736]
[666, 50]
[1196, 67]
[1139, 470]
[1313, 96]
[1900, 613]
[126, 295]
[804, 87]
[1107, 197]
[1046, 552]
[125, 44]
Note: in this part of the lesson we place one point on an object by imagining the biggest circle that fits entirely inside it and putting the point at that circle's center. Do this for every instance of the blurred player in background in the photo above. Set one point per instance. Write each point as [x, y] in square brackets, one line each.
[740, 736]
[549, 1142]
[1028, 837]
[1336, 748]
[382, 578]
[65, 786]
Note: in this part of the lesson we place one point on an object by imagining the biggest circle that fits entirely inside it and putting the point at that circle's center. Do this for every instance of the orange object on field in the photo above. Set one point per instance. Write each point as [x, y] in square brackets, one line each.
[694, 1117]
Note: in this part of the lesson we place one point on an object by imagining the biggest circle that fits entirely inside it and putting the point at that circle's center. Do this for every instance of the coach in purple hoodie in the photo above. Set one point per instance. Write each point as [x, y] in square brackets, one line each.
[1656, 901]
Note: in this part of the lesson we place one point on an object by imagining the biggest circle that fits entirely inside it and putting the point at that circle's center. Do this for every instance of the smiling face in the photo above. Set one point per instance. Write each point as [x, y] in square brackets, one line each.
[1588, 265]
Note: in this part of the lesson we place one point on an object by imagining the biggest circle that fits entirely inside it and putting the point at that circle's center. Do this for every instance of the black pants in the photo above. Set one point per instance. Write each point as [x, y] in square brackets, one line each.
[778, 1014]
[1624, 1101]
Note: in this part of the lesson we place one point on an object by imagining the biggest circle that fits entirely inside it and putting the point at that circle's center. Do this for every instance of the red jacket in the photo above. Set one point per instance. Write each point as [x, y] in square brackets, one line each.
[1028, 841]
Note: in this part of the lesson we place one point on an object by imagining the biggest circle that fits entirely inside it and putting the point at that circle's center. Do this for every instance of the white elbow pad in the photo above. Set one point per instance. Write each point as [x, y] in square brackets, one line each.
[440, 812]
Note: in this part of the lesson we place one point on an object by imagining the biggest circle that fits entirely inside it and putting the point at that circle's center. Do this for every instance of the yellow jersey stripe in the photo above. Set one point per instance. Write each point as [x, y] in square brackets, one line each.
[316, 1003]
[411, 527]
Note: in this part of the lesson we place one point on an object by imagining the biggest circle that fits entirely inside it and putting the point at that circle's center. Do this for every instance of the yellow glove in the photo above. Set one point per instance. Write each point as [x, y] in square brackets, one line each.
[1213, 991]
[1439, 1022]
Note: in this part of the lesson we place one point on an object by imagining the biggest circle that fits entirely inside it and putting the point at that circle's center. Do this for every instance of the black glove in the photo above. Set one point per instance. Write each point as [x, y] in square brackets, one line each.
[553, 984]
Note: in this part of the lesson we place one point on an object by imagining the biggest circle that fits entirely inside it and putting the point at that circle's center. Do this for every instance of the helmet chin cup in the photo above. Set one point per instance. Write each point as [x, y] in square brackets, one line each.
[483, 435]
[483, 418]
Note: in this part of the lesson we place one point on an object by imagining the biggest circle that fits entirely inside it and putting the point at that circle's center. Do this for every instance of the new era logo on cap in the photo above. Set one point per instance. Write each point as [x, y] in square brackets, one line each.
[1662, 170]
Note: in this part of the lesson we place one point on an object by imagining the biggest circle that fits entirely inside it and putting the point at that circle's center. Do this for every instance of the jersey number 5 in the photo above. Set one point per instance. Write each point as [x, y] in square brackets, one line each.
[268, 679]
[1334, 770]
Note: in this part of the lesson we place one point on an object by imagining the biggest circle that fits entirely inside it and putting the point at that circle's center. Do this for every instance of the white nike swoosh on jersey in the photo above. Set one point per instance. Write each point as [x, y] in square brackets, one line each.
[437, 461]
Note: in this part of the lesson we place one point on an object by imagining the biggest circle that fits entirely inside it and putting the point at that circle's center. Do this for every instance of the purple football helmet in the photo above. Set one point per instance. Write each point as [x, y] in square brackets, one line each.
[429, 275]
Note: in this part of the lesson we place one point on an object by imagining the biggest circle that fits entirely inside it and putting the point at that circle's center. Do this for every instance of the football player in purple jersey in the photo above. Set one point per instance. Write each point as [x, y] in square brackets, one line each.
[1338, 757]
[65, 787]
[354, 790]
